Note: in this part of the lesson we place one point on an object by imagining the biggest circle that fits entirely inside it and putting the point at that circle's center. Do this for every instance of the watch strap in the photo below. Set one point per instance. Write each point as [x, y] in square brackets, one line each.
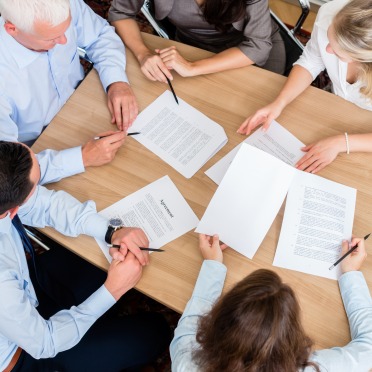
[109, 233]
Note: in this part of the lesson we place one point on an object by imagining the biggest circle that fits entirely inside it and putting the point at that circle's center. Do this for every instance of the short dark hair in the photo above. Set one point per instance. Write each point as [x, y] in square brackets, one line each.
[15, 169]
[254, 327]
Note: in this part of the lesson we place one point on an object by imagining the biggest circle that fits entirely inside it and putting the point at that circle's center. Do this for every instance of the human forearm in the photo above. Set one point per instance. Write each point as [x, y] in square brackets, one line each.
[360, 142]
[358, 305]
[129, 32]
[228, 59]
[298, 80]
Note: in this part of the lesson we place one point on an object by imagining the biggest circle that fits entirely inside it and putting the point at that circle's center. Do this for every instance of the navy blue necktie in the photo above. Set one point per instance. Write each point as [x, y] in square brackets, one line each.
[27, 245]
[23, 234]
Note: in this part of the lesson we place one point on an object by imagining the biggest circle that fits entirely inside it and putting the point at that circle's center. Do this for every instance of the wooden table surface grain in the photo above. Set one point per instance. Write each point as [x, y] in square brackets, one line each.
[227, 98]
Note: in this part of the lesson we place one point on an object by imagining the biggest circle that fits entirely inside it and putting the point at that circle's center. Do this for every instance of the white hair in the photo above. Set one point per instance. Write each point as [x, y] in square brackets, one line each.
[24, 13]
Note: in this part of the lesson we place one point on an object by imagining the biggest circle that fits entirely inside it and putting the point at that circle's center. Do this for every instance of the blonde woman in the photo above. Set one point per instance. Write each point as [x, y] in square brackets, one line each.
[341, 42]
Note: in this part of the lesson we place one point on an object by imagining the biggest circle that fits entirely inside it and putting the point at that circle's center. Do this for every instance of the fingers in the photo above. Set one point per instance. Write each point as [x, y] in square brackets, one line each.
[215, 241]
[117, 254]
[133, 239]
[345, 247]
[355, 259]
[252, 122]
[312, 162]
[122, 105]
[154, 69]
[204, 241]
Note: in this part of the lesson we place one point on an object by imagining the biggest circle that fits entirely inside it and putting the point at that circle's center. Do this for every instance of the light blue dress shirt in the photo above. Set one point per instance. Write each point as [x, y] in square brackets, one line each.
[20, 323]
[356, 356]
[35, 85]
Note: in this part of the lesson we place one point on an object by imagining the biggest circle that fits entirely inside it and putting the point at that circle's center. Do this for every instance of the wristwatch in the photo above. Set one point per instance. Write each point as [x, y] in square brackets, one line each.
[114, 224]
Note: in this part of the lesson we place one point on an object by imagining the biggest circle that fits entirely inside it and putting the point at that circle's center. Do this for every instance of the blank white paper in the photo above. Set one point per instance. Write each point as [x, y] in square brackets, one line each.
[247, 200]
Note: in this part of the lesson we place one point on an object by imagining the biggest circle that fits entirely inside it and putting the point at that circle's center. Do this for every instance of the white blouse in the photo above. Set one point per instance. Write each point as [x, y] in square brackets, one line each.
[315, 58]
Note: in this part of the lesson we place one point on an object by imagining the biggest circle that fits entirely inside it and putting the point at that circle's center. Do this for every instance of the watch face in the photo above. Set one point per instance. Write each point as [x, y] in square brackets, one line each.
[116, 222]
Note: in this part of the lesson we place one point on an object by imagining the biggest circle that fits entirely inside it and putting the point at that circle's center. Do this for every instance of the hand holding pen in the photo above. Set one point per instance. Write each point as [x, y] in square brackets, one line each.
[353, 255]
[96, 153]
[128, 134]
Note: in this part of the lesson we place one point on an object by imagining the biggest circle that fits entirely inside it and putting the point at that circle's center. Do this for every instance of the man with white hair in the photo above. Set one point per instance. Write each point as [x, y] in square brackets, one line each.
[40, 69]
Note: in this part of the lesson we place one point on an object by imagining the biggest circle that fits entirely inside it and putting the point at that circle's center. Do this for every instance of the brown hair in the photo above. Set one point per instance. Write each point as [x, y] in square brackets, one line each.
[222, 13]
[255, 327]
[353, 32]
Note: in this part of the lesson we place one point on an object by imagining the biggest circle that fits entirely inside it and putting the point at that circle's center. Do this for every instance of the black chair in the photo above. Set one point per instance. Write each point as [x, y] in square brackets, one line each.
[293, 46]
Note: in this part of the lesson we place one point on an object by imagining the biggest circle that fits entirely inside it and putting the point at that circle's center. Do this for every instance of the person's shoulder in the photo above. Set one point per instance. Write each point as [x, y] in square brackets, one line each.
[329, 10]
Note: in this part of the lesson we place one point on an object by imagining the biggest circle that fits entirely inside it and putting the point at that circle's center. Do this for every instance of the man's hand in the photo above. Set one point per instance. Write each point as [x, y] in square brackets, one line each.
[210, 247]
[123, 275]
[102, 151]
[122, 105]
[130, 239]
[354, 260]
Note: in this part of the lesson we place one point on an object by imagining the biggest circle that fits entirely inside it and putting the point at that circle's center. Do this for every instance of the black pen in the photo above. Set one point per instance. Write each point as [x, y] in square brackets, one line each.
[171, 88]
[128, 134]
[352, 249]
[141, 248]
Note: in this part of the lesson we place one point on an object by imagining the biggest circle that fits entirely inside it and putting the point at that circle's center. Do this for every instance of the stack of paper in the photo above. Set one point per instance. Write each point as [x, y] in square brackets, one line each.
[318, 215]
[179, 134]
[276, 141]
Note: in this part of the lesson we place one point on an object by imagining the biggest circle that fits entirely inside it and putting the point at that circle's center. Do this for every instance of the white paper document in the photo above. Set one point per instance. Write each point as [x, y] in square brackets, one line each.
[276, 141]
[179, 134]
[158, 208]
[318, 215]
[247, 200]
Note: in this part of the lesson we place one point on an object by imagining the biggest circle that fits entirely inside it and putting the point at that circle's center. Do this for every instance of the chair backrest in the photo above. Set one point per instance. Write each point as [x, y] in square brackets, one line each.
[293, 47]
[148, 11]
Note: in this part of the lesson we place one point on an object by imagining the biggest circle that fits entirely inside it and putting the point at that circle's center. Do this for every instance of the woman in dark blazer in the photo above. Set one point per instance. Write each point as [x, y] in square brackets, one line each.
[241, 32]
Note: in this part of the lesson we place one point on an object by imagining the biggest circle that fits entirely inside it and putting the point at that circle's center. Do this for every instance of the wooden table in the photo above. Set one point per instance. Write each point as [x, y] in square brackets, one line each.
[227, 98]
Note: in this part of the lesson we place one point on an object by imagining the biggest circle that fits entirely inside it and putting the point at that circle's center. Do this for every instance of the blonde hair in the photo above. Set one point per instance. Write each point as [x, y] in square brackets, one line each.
[353, 32]
[24, 13]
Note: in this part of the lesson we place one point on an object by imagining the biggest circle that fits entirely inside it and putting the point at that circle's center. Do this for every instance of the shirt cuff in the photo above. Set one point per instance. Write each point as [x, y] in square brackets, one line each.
[99, 302]
[354, 291]
[96, 226]
[110, 77]
[72, 160]
[210, 281]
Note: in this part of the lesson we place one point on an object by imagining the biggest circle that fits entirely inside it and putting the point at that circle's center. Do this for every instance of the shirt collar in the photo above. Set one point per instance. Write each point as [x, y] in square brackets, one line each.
[21, 55]
[5, 225]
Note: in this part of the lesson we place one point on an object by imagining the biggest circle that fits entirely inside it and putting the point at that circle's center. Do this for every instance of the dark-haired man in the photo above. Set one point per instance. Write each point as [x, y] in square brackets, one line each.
[73, 338]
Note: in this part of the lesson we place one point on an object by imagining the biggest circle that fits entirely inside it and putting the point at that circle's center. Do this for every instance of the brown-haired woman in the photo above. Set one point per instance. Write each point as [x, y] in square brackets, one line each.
[256, 327]
[241, 32]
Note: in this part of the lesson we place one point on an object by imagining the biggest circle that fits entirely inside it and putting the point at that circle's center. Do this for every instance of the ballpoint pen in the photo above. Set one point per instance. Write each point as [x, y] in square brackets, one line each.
[128, 134]
[171, 88]
[352, 249]
[141, 248]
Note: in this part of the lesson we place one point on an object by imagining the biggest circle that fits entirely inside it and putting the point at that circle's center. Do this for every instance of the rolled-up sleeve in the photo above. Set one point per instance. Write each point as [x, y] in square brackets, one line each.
[124, 9]
[257, 33]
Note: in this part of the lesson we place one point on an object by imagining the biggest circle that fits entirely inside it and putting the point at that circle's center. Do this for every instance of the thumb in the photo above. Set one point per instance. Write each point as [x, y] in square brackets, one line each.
[345, 247]
[215, 241]
[267, 122]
